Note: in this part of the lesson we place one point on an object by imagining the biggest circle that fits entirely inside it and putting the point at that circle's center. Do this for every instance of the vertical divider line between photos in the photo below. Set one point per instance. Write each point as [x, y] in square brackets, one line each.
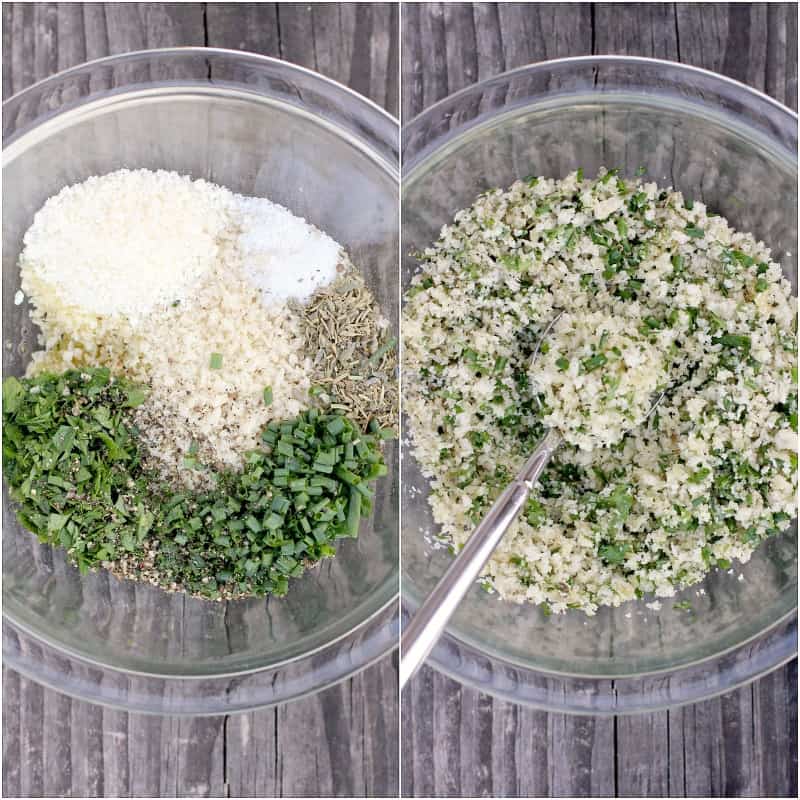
[400, 349]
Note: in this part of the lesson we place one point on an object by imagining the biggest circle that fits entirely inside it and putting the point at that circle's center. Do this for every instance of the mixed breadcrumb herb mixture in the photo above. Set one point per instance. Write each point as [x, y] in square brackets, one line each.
[194, 418]
[655, 293]
[598, 376]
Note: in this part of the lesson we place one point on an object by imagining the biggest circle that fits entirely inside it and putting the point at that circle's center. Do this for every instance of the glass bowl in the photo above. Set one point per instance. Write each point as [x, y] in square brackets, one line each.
[260, 127]
[715, 140]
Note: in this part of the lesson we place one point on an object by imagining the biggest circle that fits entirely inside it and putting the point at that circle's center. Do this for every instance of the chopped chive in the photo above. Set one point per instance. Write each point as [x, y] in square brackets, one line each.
[216, 361]
[593, 362]
[336, 426]
[700, 475]
[267, 395]
[353, 514]
[735, 340]
[500, 364]
[694, 231]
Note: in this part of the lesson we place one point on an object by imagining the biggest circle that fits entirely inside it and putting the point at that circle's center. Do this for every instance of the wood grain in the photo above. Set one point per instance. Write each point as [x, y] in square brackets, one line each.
[456, 741]
[343, 741]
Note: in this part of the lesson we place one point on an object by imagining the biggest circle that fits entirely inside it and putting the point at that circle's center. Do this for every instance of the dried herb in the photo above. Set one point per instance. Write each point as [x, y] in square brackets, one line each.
[353, 353]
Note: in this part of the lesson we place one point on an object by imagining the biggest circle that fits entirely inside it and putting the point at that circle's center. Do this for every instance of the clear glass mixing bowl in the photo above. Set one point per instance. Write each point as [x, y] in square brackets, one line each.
[261, 127]
[717, 141]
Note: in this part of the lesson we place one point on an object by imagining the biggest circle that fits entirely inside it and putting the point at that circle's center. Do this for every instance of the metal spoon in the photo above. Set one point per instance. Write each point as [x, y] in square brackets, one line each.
[427, 625]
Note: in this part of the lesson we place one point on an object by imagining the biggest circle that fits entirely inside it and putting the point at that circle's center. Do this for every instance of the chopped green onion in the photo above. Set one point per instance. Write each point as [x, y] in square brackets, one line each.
[594, 362]
[336, 426]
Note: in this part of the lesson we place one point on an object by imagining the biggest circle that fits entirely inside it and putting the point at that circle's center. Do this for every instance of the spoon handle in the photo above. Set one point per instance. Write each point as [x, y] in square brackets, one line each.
[426, 626]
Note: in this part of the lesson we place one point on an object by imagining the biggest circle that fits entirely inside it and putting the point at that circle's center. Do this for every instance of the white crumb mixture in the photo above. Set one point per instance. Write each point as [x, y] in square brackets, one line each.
[182, 285]
[221, 409]
[709, 475]
[599, 376]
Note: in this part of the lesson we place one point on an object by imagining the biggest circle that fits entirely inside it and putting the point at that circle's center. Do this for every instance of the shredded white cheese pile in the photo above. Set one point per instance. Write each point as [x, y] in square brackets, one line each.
[125, 243]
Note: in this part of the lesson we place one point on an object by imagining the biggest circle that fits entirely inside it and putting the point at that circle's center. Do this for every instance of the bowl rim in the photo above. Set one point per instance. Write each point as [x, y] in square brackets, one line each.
[541, 66]
[392, 597]
[783, 651]
[410, 164]
[197, 50]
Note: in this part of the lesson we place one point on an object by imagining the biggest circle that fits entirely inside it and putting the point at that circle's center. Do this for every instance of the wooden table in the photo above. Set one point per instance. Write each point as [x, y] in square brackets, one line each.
[343, 741]
[456, 741]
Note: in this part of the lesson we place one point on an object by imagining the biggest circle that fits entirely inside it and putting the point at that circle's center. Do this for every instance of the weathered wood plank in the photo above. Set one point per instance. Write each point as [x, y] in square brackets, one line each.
[755, 43]
[638, 777]
[244, 26]
[581, 756]
[454, 739]
[650, 32]
[252, 749]
[411, 74]
[31, 733]
[341, 742]
[458, 742]
[12, 742]
[775, 714]
[544, 31]
[57, 746]
[140, 26]
[86, 750]
[326, 37]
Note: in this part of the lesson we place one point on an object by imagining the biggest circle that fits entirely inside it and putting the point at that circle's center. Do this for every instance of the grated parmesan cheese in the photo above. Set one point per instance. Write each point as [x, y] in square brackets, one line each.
[125, 243]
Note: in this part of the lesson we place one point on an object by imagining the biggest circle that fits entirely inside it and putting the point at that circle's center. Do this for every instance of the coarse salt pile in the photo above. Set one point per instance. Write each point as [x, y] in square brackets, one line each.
[282, 256]
[182, 285]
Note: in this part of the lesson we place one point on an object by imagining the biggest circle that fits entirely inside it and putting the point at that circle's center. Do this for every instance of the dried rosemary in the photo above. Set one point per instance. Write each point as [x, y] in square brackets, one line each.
[353, 351]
